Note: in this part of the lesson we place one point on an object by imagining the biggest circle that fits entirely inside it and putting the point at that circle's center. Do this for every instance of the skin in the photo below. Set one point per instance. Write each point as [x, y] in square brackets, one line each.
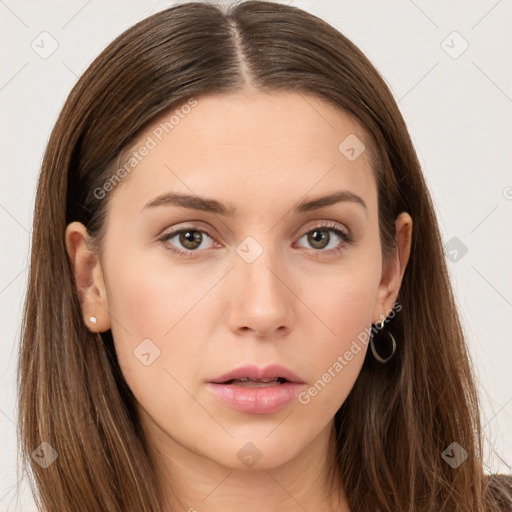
[297, 304]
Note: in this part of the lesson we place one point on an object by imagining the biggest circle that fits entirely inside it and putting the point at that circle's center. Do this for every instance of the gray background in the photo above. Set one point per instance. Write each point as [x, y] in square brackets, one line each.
[458, 107]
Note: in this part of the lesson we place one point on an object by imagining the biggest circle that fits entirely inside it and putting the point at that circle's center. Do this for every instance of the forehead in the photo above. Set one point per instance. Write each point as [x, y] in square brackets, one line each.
[252, 147]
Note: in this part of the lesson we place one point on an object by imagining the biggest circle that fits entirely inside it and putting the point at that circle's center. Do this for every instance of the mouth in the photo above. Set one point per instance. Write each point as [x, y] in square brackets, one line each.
[256, 383]
[255, 390]
[255, 376]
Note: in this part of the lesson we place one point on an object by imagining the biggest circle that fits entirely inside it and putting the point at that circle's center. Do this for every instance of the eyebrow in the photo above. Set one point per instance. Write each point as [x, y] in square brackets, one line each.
[212, 206]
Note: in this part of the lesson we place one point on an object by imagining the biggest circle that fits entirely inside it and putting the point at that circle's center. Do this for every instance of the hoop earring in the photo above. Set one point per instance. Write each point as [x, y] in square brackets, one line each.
[372, 344]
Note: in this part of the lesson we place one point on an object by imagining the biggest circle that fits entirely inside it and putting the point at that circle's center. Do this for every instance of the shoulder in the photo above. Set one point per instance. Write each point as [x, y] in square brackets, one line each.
[499, 486]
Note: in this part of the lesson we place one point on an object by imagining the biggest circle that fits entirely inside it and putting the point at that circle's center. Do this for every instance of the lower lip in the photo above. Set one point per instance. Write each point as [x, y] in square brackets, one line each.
[261, 400]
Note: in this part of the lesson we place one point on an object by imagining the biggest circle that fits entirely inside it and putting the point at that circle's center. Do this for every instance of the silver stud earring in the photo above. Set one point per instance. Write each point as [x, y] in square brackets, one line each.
[93, 320]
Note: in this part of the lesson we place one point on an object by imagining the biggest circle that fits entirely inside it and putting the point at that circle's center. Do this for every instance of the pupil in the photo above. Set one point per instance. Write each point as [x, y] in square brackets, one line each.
[319, 236]
[191, 239]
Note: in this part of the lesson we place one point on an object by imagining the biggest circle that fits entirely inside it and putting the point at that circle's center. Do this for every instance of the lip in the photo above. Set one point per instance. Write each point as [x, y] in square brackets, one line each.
[260, 400]
[255, 372]
[257, 400]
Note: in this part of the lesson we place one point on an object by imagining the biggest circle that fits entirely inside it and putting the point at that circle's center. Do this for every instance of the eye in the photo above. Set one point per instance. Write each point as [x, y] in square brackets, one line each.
[191, 238]
[319, 238]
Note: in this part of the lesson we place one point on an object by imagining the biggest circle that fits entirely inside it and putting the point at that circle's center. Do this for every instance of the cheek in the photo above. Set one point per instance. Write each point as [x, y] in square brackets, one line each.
[344, 299]
[154, 325]
[344, 304]
[338, 355]
[149, 308]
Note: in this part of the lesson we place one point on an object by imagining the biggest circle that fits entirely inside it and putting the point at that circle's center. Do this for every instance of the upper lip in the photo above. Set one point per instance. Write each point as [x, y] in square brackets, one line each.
[256, 372]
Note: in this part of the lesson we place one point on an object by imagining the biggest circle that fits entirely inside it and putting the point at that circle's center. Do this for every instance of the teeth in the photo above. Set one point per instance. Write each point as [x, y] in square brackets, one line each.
[245, 381]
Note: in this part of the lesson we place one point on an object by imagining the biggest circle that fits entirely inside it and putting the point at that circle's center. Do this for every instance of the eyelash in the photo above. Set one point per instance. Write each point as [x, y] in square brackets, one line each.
[345, 236]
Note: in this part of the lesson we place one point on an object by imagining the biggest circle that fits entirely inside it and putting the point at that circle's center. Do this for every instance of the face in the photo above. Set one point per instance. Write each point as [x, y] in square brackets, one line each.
[243, 276]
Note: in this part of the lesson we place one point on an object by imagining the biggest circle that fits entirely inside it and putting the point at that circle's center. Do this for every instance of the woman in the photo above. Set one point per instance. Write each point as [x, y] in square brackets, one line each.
[238, 297]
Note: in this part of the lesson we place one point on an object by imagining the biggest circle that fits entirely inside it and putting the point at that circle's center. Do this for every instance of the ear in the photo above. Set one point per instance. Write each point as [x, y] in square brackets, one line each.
[393, 273]
[89, 278]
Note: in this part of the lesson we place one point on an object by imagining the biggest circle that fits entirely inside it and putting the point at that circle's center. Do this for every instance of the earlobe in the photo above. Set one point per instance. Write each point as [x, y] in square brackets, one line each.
[88, 277]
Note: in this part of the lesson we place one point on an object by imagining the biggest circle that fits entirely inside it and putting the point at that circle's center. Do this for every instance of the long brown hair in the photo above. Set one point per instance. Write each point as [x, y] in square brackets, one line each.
[399, 417]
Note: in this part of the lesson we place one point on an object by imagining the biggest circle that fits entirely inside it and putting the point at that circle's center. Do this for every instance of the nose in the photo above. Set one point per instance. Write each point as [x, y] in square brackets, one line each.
[262, 298]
